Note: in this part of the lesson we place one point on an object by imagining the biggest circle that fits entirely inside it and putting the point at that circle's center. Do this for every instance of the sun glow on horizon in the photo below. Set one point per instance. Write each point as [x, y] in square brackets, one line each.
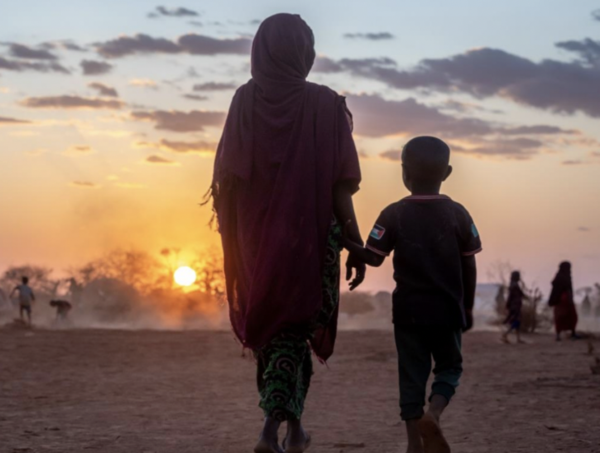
[185, 276]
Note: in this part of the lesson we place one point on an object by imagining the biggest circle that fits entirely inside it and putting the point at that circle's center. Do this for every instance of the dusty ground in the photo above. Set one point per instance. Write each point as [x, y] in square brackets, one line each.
[148, 391]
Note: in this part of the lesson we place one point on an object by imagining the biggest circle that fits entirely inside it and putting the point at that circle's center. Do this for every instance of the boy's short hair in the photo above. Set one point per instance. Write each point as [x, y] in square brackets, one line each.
[25, 280]
[427, 158]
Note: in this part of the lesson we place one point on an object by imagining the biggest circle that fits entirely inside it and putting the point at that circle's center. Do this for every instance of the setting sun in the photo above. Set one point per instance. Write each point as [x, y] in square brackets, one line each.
[185, 276]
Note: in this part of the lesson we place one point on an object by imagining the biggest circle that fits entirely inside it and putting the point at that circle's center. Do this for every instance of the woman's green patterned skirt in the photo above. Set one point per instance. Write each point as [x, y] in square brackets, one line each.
[285, 365]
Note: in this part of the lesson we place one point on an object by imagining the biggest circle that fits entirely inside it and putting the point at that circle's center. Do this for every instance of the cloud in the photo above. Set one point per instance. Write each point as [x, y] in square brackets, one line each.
[199, 147]
[144, 83]
[550, 85]
[191, 43]
[12, 121]
[71, 102]
[326, 65]
[539, 129]
[85, 185]
[78, 150]
[214, 86]
[464, 107]
[572, 162]
[104, 90]
[370, 36]
[66, 44]
[22, 51]
[378, 117]
[392, 154]
[195, 97]
[155, 159]
[19, 66]
[518, 148]
[583, 229]
[596, 14]
[588, 50]
[173, 12]
[178, 121]
[93, 67]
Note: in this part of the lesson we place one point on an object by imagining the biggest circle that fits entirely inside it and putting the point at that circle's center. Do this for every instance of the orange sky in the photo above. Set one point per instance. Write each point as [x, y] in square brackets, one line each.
[129, 170]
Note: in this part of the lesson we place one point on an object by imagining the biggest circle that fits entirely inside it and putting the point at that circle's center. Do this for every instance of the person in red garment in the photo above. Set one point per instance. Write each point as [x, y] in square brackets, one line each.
[285, 172]
[561, 298]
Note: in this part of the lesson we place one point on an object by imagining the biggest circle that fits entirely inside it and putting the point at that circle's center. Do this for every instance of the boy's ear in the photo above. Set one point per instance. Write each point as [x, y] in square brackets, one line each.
[448, 172]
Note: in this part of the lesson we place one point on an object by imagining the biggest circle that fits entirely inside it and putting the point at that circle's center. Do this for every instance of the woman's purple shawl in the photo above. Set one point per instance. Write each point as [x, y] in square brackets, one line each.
[286, 143]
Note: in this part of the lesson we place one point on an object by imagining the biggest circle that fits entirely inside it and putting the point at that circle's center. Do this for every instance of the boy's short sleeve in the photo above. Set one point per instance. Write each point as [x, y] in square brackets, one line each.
[468, 235]
[382, 238]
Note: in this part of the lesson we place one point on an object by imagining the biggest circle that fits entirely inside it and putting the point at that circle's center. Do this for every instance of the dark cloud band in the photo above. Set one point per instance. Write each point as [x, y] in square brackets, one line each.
[192, 44]
[178, 121]
[70, 102]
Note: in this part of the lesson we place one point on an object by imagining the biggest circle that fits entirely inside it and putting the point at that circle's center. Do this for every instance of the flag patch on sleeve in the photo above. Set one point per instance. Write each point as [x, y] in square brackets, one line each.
[377, 232]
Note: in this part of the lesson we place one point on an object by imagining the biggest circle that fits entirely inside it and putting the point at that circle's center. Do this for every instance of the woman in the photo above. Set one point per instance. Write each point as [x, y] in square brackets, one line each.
[514, 306]
[561, 298]
[285, 172]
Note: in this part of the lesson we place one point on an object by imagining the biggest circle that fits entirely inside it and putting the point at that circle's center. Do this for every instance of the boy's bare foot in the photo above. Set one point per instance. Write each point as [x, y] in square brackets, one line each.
[433, 438]
[267, 446]
[415, 443]
[296, 440]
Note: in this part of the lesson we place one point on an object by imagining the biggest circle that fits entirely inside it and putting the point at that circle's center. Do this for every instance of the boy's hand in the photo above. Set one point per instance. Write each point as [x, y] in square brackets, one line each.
[469, 319]
[361, 270]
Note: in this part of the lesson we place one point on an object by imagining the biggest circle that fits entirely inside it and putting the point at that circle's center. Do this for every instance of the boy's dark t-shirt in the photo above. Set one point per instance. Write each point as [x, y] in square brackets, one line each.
[429, 236]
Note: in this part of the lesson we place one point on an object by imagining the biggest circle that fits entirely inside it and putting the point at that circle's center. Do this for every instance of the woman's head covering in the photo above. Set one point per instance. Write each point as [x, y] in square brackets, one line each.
[285, 144]
[283, 53]
[515, 277]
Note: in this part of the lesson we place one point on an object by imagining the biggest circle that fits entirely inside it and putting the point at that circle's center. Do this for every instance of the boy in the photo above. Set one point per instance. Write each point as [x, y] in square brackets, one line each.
[434, 241]
[26, 297]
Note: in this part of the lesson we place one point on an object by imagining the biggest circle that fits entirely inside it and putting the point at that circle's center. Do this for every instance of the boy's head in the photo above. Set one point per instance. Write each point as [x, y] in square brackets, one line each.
[425, 164]
[25, 280]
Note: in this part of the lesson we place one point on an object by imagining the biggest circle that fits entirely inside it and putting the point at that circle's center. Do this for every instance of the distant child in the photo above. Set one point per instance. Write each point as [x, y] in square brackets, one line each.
[62, 310]
[26, 297]
[514, 305]
[434, 241]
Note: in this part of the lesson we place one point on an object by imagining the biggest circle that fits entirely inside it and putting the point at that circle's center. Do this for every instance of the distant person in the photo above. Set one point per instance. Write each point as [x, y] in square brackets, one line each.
[514, 306]
[285, 172]
[75, 291]
[26, 298]
[62, 310]
[586, 305]
[434, 241]
[561, 298]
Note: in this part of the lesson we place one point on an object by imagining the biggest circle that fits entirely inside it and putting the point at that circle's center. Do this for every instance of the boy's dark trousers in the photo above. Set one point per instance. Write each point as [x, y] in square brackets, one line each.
[416, 346]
